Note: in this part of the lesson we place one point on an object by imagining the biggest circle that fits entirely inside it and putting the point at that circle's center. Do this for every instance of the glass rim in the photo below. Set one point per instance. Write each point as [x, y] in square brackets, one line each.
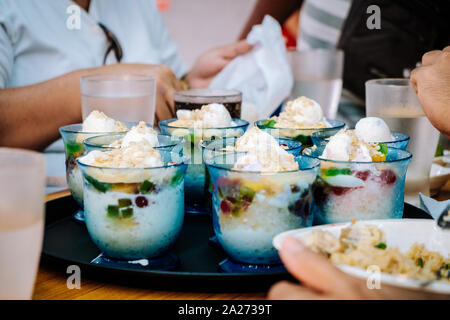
[389, 82]
[402, 137]
[91, 145]
[407, 156]
[299, 144]
[121, 77]
[165, 123]
[185, 159]
[265, 173]
[68, 128]
[201, 94]
[341, 125]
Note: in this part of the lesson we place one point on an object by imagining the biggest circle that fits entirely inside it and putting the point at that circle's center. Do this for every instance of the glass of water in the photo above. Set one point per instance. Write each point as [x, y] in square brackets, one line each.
[22, 195]
[318, 76]
[395, 101]
[123, 97]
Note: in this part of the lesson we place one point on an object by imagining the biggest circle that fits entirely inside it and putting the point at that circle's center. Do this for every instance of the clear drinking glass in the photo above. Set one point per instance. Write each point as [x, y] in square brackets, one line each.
[196, 98]
[318, 76]
[124, 97]
[22, 192]
[395, 101]
[250, 208]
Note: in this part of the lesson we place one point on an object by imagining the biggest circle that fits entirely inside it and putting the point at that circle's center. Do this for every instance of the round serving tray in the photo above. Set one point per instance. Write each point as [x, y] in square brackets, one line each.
[67, 242]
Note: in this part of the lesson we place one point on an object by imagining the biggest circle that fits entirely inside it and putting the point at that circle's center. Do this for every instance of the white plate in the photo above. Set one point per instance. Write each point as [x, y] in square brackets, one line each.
[400, 233]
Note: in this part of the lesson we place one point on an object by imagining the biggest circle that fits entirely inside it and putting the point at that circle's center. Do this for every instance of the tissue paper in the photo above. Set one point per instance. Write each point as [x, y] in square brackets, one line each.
[263, 75]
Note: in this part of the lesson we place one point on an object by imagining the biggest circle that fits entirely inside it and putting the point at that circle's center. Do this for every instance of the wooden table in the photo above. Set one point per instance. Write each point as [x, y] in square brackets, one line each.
[51, 285]
[51, 282]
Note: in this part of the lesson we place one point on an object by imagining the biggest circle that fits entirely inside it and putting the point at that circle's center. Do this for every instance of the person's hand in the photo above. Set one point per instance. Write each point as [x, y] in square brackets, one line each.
[213, 61]
[166, 84]
[320, 279]
[432, 84]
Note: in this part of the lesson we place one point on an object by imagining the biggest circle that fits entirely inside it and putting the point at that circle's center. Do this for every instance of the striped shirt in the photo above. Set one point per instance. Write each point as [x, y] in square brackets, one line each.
[321, 22]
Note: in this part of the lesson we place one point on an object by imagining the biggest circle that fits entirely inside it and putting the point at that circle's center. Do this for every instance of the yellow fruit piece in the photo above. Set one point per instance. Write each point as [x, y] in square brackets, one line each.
[130, 188]
[379, 158]
[255, 185]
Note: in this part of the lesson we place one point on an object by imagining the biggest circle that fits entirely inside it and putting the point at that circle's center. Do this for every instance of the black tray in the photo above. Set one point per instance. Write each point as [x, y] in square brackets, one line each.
[67, 242]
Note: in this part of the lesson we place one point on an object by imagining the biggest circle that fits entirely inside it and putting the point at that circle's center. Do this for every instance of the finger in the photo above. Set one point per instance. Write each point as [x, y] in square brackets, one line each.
[285, 290]
[430, 57]
[168, 96]
[446, 49]
[418, 76]
[163, 110]
[312, 269]
[156, 121]
[235, 49]
[413, 78]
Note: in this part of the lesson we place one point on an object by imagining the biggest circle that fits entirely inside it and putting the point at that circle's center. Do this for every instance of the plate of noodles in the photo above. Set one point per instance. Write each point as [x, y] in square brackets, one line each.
[409, 253]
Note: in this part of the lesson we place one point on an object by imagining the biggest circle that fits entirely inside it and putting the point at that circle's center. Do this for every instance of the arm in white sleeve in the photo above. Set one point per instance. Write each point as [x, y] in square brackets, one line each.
[6, 50]
[167, 49]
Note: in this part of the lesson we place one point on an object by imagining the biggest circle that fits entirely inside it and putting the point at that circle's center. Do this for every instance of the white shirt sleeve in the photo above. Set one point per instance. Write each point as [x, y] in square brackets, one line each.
[6, 49]
[168, 50]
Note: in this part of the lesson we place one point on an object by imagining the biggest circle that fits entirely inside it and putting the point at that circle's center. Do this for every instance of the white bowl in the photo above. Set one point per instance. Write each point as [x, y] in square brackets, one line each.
[400, 233]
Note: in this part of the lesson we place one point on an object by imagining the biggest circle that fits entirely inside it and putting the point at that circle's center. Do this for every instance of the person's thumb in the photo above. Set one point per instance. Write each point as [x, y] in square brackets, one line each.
[312, 269]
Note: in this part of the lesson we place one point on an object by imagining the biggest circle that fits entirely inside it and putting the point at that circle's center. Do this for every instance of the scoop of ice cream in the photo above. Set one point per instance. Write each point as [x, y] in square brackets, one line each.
[213, 115]
[372, 129]
[345, 146]
[253, 139]
[301, 113]
[135, 155]
[97, 121]
[338, 148]
[141, 133]
[263, 153]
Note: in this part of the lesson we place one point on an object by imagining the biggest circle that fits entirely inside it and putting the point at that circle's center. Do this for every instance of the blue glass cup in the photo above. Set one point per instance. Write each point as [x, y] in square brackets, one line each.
[73, 138]
[195, 182]
[347, 190]
[250, 208]
[135, 213]
[400, 141]
[300, 135]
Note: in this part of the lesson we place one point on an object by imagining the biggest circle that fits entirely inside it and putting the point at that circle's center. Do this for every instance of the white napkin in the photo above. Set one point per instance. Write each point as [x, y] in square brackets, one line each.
[263, 75]
[433, 207]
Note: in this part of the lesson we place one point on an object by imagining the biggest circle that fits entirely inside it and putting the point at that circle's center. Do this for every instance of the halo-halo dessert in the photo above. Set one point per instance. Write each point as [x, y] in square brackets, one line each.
[358, 180]
[212, 121]
[96, 123]
[256, 195]
[133, 200]
[137, 133]
[370, 130]
[300, 119]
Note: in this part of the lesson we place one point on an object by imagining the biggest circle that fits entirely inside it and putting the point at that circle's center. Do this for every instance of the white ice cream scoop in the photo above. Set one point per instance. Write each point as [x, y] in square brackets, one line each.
[372, 129]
